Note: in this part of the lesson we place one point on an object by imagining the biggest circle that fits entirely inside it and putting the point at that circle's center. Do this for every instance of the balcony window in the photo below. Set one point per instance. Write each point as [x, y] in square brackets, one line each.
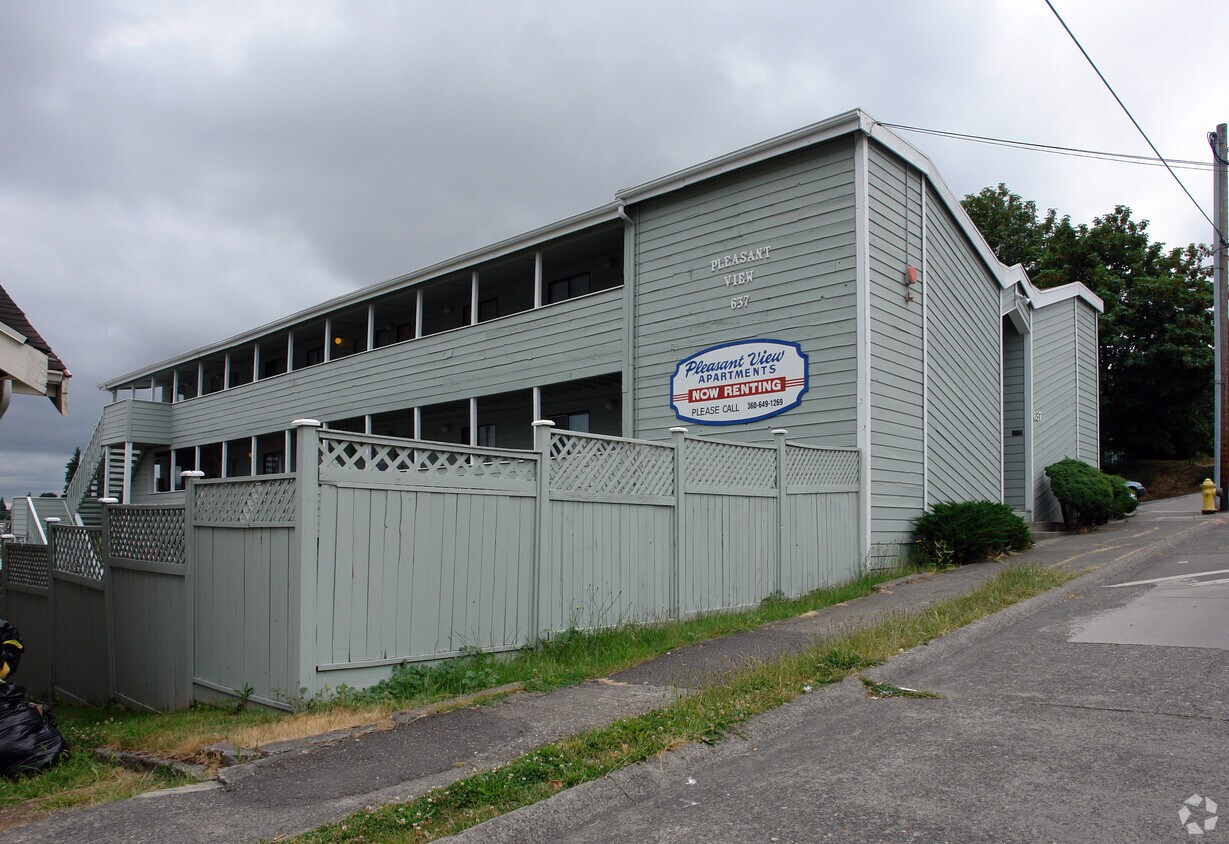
[505, 288]
[582, 265]
[394, 318]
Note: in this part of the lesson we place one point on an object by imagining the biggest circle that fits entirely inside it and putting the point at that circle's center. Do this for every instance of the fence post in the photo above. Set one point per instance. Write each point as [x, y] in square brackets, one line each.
[51, 626]
[779, 435]
[541, 444]
[303, 575]
[108, 597]
[678, 436]
[185, 696]
[5, 539]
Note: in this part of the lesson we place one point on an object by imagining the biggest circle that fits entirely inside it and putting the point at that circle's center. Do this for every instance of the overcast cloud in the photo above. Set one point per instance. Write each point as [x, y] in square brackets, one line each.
[170, 175]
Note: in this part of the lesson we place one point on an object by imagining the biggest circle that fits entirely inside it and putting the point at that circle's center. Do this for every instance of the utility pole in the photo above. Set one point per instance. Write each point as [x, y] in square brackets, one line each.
[1220, 211]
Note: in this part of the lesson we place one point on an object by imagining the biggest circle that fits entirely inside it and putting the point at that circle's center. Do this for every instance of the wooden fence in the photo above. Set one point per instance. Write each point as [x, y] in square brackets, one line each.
[425, 550]
[381, 551]
[104, 611]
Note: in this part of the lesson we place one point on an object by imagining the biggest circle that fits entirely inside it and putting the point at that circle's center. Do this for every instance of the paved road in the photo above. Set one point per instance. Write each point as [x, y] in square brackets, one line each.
[1089, 714]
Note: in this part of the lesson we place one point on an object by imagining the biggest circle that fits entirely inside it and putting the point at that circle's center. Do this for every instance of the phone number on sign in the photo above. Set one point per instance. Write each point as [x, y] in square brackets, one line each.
[757, 405]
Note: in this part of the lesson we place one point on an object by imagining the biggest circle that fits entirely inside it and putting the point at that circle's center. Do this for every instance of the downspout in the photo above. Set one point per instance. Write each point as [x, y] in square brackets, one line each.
[629, 322]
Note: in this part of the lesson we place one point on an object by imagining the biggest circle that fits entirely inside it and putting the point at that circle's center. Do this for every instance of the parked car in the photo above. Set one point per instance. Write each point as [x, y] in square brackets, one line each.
[1137, 489]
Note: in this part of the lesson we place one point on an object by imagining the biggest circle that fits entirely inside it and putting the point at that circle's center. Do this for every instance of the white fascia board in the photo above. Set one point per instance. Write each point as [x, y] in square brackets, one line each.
[12, 333]
[608, 213]
[898, 145]
[816, 133]
[1006, 275]
[1074, 290]
[24, 364]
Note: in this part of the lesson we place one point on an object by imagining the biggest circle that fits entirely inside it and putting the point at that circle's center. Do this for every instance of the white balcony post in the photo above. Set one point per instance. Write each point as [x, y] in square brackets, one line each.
[255, 362]
[328, 339]
[418, 313]
[226, 373]
[290, 351]
[174, 385]
[200, 379]
[418, 423]
[537, 283]
[371, 328]
[127, 493]
[473, 422]
[225, 461]
[473, 298]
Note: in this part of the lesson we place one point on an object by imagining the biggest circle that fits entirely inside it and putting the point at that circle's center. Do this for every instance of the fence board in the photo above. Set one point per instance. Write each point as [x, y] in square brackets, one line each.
[82, 662]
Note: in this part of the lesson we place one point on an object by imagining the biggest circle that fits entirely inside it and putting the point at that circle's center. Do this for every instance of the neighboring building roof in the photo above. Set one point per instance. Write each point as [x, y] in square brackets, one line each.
[27, 362]
[15, 318]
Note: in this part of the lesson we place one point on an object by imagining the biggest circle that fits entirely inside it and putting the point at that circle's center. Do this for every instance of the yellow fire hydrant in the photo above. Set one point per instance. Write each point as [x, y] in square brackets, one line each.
[1209, 496]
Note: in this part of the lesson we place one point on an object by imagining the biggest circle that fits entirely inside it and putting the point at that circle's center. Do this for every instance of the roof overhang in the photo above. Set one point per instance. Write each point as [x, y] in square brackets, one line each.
[847, 123]
[608, 213]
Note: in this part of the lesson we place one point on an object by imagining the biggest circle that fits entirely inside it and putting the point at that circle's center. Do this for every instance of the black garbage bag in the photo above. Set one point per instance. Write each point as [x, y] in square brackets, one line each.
[29, 738]
[11, 647]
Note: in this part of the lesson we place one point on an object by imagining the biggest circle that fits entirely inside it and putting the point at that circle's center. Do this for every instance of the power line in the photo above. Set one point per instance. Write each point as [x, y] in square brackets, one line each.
[1076, 152]
[1219, 236]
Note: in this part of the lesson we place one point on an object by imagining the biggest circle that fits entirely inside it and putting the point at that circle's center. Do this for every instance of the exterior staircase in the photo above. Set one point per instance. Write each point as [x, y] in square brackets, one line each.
[100, 472]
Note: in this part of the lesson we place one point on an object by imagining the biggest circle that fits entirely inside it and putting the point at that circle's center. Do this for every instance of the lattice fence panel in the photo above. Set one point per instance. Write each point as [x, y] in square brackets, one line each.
[27, 565]
[610, 467]
[437, 463]
[154, 535]
[821, 467]
[712, 463]
[246, 502]
[78, 550]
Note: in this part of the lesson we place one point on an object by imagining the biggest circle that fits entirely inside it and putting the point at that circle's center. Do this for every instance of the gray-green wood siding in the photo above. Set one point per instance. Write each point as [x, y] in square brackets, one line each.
[801, 205]
[897, 388]
[1088, 373]
[563, 342]
[1054, 399]
[1015, 473]
[964, 445]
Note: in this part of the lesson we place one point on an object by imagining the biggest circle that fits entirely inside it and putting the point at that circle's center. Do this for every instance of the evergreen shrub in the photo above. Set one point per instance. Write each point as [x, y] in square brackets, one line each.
[969, 531]
[1089, 496]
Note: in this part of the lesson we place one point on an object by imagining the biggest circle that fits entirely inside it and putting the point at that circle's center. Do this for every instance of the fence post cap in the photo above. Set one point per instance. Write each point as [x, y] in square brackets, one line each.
[8, 536]
[678, 429]
[51, 519]
[779, 432]
[543, 423]
[108, 501]
[190, 473]
[302, 423]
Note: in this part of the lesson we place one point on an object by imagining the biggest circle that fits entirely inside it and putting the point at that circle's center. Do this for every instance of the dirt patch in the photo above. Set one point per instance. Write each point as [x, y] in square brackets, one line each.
[1165, 478]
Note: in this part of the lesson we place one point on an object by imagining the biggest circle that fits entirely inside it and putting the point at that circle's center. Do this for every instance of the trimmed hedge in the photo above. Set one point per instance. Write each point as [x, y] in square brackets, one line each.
[1088, 496]
[969, 531]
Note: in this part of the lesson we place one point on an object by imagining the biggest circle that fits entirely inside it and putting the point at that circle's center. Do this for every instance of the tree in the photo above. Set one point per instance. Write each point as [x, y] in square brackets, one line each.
[1156, 333]
[70, 468]
[1010, 225]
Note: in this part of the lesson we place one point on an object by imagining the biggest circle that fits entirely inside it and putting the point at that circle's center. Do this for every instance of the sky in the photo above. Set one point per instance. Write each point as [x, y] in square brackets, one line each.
[172, 174]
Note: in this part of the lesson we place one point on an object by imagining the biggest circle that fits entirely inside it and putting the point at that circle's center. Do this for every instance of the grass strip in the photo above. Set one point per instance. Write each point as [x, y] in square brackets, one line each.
[571, 657]
[706, 716]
